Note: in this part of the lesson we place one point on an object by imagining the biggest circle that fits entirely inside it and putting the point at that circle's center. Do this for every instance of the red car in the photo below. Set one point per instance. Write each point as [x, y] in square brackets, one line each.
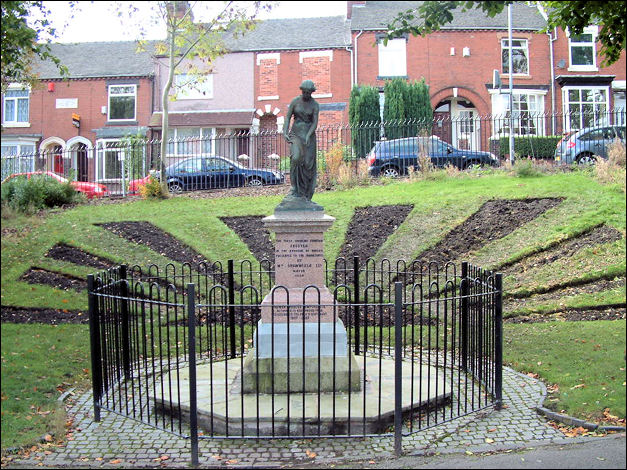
[91, 190]
[134, 185]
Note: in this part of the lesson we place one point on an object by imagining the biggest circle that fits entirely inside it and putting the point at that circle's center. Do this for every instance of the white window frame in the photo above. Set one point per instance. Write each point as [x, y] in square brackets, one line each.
[600, 118]
[500, 109]
[594, 31]
[524, 48]
[101, 161]
[193, 86]
[113, 95]
[393, 58]
[26, 164]
[11, 121]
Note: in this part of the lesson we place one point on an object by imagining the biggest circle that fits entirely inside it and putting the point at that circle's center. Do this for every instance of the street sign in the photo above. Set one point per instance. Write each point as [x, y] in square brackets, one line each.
[76, 120]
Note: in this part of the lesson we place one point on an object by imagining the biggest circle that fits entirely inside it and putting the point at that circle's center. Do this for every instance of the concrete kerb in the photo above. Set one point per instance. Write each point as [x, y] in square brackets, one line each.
[566, 419]
[122, 442]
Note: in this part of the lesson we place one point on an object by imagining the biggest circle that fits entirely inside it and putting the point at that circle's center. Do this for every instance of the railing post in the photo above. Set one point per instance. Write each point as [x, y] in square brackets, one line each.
[94, 340]
[191, 356]
[465, 289]
[126, 338]
[498, 341]
[193, 396]
[356, 303]
[231, 286]
[398, 368]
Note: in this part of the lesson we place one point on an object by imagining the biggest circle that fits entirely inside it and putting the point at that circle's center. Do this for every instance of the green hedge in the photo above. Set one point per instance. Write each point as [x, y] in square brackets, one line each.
[534, 147]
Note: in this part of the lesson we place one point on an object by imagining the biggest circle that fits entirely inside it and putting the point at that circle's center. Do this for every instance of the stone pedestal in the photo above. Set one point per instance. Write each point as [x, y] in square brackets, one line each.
[298, 339]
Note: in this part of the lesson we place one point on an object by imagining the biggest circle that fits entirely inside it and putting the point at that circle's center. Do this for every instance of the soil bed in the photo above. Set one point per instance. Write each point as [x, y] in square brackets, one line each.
[145, 233]
[36, 275]
[63, 252]
[251, 231]
[494, 219]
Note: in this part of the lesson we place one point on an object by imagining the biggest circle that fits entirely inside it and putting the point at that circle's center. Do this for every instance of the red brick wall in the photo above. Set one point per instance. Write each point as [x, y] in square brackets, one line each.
[330, 77]
[268, 77]
[317, 69]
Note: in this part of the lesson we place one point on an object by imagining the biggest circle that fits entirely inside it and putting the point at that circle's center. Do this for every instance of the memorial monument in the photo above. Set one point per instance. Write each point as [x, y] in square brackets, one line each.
[300, 343]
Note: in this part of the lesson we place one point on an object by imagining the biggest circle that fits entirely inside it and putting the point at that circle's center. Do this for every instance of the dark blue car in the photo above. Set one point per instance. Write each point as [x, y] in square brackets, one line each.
[394, 157]
[216, 172]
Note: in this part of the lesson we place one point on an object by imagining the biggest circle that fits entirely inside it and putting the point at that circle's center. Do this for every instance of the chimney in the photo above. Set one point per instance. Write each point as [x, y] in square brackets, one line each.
[178, 9]
[349, 7]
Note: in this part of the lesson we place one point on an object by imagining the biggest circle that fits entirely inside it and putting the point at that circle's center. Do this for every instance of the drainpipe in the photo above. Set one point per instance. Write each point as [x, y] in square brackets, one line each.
[551, 41]
[356, 39]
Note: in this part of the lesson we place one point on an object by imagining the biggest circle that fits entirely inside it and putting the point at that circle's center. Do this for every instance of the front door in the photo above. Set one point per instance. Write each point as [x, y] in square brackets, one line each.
[465, 125]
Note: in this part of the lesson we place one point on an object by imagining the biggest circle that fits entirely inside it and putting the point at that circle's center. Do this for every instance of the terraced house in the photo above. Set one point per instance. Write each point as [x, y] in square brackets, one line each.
[75, 126]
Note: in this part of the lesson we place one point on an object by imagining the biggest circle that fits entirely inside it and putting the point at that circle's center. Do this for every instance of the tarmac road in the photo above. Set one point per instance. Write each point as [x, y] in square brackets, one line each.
[582, 452]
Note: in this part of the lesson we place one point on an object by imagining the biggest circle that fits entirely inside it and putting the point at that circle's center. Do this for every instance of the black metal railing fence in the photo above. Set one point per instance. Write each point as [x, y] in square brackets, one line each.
[116, 163]
[171, 348]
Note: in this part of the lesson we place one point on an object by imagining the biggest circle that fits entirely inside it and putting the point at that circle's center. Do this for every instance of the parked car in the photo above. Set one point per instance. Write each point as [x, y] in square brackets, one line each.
[91, 190]
[394, 157]
[588, 144]
[211, 173]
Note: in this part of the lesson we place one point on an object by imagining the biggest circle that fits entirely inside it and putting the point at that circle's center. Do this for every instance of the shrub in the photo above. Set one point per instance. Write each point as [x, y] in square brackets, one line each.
[30, 195]
[153, 189]
[524, 168]
[612, 170]
[531, 146]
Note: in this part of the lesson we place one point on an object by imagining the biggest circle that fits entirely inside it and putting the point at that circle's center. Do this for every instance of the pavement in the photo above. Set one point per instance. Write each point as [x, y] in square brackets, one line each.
[120, 442]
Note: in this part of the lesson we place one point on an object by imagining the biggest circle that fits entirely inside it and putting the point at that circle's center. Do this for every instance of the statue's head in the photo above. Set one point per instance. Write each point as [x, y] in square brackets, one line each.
[308, 85]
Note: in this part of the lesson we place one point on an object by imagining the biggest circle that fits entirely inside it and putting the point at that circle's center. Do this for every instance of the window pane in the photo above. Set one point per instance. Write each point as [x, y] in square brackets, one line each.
[519, 61]
[9, 150]
[16, 94]
[581, 38]
[587, 95]
[122, 107]
[110, 164]
[9, 110]
[22, 110]
[582, 55]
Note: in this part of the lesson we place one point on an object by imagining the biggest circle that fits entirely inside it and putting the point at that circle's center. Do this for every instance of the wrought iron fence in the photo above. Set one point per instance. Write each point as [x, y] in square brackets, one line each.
[261, 158]
[193, 350]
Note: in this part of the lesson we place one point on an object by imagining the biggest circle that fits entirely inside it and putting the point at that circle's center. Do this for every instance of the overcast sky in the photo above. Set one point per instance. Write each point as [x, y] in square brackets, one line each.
[98, 21]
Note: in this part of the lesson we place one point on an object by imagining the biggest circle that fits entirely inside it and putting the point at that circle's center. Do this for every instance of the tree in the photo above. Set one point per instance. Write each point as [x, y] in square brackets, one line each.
[20, 45]
[394, 108]
[364, 118]
[574, 15]
[418, 111]
[193, 46]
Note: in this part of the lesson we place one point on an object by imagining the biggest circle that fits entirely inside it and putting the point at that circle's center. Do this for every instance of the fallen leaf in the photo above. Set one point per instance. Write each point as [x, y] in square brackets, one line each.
[489, 441]
[115, 461]
[310, 454]
[48, 438]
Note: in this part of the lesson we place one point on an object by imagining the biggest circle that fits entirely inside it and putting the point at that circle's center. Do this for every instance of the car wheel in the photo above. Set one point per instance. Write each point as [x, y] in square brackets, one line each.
[391, 172]
[254, 181]
[175, 187]
[586, 159]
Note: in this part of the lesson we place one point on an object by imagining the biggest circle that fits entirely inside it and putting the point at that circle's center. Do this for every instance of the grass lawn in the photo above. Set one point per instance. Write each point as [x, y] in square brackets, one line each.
[38, 361]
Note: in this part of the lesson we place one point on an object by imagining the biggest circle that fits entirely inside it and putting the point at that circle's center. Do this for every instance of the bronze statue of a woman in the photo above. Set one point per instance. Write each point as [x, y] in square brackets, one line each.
[302, 140]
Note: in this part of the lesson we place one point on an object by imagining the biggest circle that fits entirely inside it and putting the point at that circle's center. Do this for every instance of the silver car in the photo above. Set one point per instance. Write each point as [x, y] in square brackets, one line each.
[585, 146]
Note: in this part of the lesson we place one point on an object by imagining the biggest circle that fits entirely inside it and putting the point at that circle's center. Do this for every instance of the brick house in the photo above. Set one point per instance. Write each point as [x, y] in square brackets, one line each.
[552, 73]
[73, 124]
